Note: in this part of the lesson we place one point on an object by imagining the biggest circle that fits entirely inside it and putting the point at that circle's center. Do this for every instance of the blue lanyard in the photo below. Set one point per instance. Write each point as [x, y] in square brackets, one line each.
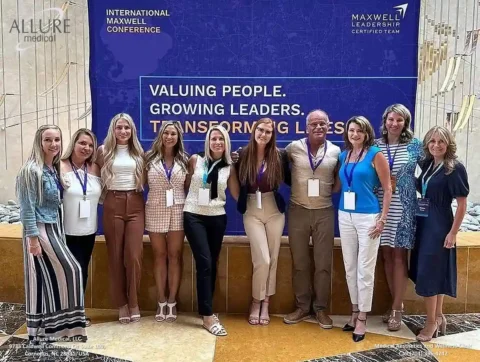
[425, 182]
[391, 159]
[310, 158]
[168, 171]
[260, 174]
[85, 175]
[208, 172]
[348, 176]
[57, 181]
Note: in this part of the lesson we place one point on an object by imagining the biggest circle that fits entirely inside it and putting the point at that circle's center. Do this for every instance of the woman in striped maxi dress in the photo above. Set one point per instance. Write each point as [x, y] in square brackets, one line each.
[403, 152]
[53, 278]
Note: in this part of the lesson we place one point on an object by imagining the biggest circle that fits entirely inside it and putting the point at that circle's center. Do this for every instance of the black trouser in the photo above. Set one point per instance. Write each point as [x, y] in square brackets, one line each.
[205, 236]
[82, 248]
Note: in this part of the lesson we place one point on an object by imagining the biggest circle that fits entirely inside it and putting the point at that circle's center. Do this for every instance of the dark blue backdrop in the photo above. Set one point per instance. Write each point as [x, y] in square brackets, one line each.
[348, 57]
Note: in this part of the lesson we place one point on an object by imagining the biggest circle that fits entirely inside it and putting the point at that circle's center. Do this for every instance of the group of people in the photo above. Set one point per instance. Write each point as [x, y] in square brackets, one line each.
[378, 178]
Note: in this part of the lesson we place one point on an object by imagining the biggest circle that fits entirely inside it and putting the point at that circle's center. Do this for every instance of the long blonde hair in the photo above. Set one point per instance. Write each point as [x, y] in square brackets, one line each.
[30, 175]
[450, 158]
[228, 146]
[158, 148]
[134, 148]
[69, 151]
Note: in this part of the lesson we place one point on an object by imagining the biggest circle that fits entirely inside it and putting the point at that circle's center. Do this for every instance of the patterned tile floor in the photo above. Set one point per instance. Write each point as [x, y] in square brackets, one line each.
[186, 340]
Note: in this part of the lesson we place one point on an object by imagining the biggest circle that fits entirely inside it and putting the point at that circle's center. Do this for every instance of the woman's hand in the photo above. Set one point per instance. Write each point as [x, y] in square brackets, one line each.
[34, 247]
[377, 229]
[450, 241]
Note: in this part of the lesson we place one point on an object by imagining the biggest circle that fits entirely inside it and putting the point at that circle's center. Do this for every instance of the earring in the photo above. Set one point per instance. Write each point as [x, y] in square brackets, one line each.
[384, 132]
[403, 134]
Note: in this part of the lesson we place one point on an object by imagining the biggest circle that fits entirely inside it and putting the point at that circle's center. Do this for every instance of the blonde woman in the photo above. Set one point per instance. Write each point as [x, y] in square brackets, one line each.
[122, 171]
[205, 217]
[166, 165]
[53, 278]
[433, 263]
[361, 218]
[80, 178]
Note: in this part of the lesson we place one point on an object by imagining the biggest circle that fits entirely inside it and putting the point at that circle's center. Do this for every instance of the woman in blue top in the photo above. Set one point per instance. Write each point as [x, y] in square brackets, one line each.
[53, 277]
[361, 219]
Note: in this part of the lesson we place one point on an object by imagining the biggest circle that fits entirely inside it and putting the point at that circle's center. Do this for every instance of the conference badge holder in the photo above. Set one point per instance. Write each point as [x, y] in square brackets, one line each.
[84, 208]
[423, 206]
[349, 200]
[169, 197]
[204, 196]
[258, 196]
[313, 187]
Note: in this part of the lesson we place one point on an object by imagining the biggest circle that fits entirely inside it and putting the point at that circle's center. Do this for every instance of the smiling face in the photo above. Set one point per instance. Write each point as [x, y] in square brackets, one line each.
[317, 126]
[394, 124]
[123, 132]
[51, 143]
[83, 148]
[437, 146]
[217, 143]
[170, 137]
[263, 133]
[356, 135]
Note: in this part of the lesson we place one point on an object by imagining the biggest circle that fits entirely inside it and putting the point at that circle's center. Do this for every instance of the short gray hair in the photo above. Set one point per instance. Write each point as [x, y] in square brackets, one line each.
[314, 111]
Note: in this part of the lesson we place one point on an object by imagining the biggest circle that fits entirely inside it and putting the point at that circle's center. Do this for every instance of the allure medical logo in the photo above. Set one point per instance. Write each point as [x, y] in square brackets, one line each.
[379, 23]
[43, 27]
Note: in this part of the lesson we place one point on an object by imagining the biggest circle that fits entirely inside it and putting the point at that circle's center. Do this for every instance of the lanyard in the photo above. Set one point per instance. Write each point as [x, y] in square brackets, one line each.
[57, 181]
[167, 170]
[85, 174]
[391, 159]
[260, 174]
[310, 158]
[206, 173]
[349, 177]
[425, 182]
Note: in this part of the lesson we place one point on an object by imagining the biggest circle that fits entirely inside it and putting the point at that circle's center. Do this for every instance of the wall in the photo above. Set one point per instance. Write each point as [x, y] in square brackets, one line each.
[48, 82]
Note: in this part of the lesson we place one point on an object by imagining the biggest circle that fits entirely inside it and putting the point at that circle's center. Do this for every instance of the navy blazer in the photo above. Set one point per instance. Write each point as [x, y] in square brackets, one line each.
[287, 179]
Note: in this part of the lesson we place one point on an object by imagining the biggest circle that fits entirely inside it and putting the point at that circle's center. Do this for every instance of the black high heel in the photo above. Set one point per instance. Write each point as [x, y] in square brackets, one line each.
[347, 327]
[359, 337]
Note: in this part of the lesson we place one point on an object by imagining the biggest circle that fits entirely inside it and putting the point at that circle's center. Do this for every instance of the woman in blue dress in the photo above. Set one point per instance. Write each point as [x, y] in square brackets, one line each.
[433, 264]
[403, 152]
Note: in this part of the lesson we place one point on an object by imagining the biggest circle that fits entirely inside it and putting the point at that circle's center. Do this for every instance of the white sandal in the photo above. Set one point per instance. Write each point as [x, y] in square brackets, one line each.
[160, 317]
[216, 329]
[170, 317]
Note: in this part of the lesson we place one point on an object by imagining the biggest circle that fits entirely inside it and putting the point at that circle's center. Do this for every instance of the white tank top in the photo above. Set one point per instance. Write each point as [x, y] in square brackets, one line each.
[216, 206]
[123, 169]
[72, 195]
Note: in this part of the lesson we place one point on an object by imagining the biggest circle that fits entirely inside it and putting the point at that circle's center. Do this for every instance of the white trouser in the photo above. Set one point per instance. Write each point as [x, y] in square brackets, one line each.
[359, 256]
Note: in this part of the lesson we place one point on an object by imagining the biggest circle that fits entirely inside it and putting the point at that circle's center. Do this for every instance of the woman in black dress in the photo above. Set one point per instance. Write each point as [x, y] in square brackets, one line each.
[433, 264]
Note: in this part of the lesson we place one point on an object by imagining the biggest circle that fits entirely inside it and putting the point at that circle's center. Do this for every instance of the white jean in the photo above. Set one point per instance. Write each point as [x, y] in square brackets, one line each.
[359, 256]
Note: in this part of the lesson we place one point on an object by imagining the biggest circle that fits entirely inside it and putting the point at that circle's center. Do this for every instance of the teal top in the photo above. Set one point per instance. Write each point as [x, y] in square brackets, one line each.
[364, 181]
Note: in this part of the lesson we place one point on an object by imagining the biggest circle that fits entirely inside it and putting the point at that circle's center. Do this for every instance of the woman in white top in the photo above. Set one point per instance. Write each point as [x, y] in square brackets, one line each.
[80, 177]
[122, 170]
[204, 216]
[166, 165]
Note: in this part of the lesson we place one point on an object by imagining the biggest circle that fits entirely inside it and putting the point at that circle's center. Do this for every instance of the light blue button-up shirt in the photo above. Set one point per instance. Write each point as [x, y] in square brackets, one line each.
[31, 210]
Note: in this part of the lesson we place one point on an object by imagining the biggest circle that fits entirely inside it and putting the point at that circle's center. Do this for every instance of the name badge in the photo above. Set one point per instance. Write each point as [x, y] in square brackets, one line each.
[349, 200]
[258, 194]
[313, 187]
[393, 182]
[169, 197]
[423, 206]
[203, 197]
[84, 209]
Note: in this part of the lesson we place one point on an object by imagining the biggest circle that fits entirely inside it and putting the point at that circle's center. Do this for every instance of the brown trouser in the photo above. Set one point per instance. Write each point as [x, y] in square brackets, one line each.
[123, 224]
[319, 224]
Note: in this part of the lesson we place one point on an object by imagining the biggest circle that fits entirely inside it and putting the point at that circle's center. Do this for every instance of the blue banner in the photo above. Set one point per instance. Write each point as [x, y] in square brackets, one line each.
[233, 62]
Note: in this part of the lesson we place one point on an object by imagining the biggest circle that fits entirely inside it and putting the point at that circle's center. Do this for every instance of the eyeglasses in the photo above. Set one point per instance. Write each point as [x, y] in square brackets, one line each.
[261, 130]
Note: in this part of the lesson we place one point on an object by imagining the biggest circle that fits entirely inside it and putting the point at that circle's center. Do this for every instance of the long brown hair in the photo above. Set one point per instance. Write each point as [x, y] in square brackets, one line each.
[248, 163]
[158, 149]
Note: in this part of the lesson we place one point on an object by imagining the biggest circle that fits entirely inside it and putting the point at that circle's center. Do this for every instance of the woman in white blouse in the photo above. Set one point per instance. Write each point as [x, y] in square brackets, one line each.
[122, 170]
[82, 188]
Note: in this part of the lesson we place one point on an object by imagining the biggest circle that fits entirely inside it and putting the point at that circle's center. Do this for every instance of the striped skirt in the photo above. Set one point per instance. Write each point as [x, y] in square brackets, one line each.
[53, 288]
